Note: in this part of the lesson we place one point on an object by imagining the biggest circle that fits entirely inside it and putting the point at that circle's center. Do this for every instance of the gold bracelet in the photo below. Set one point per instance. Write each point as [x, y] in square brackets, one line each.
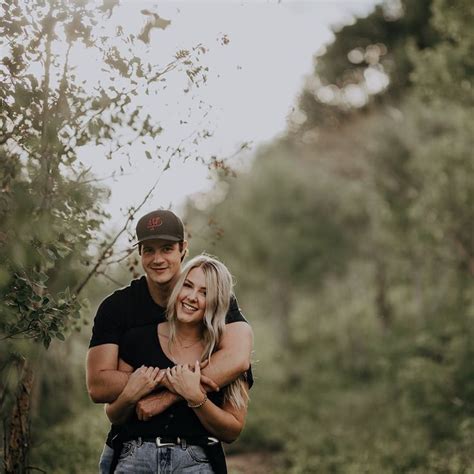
[199, 405]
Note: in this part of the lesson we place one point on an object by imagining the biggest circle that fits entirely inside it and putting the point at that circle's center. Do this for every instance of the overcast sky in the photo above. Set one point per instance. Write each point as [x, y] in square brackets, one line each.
[252, 85]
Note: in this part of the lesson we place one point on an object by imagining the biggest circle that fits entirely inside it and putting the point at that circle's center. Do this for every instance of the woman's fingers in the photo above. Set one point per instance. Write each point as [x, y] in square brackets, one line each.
[150, 372]
[154, 374]
[159, 376]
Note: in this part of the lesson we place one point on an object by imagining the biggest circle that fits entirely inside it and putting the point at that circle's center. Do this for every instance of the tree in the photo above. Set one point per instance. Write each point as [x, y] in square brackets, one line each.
[50, 204]
[369, 61]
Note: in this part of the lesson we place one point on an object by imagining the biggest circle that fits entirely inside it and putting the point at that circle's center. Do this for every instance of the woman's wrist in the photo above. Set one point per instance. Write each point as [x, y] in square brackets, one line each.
[127, 399]
[197, 401]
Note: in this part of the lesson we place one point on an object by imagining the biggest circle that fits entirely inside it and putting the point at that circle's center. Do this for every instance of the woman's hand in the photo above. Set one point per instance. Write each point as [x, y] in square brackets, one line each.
[143, 381]
[186, 382]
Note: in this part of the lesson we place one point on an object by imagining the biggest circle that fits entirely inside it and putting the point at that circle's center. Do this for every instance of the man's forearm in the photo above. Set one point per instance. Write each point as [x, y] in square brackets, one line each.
[155, 403]
[107, 385]
[233, 356]
[223, 369]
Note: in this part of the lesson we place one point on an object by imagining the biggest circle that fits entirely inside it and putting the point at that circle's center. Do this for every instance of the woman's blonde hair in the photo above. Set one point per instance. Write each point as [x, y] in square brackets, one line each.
[219, 286]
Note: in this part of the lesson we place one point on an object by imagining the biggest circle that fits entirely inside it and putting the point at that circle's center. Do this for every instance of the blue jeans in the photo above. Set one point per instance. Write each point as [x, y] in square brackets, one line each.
[139, 457]
[106, 460]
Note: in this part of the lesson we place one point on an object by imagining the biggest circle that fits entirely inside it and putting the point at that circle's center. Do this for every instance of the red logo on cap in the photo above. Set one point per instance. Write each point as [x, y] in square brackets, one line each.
[153, 223]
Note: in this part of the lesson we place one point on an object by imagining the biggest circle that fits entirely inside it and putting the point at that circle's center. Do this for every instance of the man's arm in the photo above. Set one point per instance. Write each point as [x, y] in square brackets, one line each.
[104, 381]
[232, 357]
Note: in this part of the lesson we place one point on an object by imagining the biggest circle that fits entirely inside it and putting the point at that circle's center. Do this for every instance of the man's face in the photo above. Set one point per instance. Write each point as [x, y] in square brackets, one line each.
[161, 260]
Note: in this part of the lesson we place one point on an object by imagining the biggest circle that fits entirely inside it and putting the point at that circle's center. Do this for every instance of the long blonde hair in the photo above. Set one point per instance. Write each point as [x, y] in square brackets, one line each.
[219, 286]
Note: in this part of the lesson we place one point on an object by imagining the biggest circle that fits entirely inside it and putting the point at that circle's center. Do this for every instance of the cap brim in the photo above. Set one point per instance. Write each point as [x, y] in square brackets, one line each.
[171, 238]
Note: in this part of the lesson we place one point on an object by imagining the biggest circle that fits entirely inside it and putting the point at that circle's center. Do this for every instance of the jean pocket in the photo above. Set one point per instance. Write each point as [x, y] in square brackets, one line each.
[128, 449]
[198, 454]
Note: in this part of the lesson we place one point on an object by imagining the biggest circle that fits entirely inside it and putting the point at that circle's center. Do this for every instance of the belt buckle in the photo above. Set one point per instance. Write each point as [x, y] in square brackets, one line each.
[160, 444]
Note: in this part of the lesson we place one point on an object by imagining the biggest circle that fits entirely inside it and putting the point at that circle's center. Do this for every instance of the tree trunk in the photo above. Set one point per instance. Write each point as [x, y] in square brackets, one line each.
[16, 455]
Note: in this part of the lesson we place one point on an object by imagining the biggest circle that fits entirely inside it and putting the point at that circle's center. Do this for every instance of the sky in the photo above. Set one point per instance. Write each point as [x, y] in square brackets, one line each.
[258, 53]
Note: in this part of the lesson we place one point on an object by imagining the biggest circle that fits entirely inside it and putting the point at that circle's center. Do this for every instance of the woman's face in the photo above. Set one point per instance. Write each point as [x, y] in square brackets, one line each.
[191, 302]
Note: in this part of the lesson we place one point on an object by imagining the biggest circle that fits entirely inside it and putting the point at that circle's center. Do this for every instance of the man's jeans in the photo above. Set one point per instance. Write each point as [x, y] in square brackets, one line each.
[147, 458]
[106, 460]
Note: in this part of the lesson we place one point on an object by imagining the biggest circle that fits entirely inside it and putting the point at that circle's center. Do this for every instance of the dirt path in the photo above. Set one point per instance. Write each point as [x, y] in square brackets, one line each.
[250, 463]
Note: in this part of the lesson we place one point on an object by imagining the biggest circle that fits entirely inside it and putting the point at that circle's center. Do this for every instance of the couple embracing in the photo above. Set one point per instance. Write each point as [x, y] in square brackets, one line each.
[170, 357]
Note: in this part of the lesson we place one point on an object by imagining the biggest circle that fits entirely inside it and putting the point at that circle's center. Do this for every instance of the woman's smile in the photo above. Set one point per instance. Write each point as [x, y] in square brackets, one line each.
[189, 307]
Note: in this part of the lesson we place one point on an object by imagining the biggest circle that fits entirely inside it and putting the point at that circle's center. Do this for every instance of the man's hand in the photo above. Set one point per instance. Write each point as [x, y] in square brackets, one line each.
[206, 382]
[154, 404]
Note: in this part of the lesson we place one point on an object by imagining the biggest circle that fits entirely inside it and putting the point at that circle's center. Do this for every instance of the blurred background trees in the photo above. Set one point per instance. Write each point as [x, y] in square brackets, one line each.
[350, 239]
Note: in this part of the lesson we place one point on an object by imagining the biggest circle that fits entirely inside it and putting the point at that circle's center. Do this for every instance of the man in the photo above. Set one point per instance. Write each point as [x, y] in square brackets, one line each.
[162, 247]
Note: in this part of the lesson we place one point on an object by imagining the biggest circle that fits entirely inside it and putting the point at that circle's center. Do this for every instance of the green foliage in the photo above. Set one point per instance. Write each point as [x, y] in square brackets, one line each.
[378, 46]
[423, 168]
[445, 70]
[72, 446]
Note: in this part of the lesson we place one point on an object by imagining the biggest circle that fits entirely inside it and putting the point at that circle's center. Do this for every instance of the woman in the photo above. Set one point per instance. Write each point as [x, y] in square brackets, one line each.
[185, 438]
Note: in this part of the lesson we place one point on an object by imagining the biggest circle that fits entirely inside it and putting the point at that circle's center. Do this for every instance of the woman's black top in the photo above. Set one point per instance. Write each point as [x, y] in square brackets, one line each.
[141, 346]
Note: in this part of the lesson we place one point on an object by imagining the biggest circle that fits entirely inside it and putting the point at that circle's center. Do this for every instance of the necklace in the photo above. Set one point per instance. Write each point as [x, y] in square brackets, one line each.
[189, 345]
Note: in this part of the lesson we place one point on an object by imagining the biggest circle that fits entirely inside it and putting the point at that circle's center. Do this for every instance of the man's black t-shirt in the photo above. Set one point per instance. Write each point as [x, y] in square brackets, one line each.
[132, 307]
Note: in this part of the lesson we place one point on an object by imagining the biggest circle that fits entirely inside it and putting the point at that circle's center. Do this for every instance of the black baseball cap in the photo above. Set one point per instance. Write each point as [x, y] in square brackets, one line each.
[160, 224]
